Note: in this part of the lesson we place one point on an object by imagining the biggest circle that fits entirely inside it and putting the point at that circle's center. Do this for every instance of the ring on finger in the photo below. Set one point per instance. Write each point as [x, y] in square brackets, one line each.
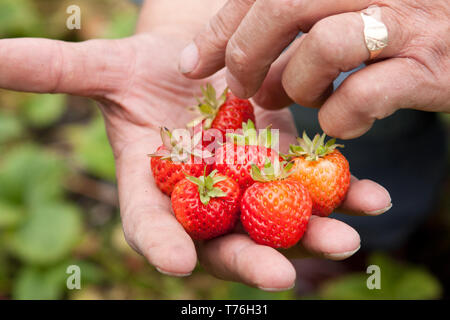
[375, 31]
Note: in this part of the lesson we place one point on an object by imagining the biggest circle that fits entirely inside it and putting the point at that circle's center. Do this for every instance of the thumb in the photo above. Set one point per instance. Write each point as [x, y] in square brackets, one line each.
[206, 54]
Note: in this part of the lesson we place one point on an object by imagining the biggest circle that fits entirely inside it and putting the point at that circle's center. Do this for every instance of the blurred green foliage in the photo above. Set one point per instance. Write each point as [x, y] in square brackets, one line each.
[91, 148]
[47, 222]
[42, 110]
[398, 281]
[19, 18]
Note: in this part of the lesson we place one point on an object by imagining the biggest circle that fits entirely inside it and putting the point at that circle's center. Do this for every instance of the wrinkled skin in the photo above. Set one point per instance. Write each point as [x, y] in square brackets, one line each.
[249, 37]
[138, 88]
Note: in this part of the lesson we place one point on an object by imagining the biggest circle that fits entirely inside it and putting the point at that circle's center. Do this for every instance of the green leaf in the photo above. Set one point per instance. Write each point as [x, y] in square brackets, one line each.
[24, 168]
[10, 215]
[249, 125]
[350, 287]
[41, 110]
[217, 193]
[48, 235]
[295, 149]
[306, 138]
[33, 283]
[90, 272]
[206, 109]
[218, 179]
[315, 149]
[210, 94]
[209, 183]
[398, 281]
[418, 284]
[92, 149]
[315, 141]
[51, 282]
[19, 18]
[122, 24]
[10, 128]
[256, 174]
[204, 198]
[330, 142]
[194, 180]
[288, 166]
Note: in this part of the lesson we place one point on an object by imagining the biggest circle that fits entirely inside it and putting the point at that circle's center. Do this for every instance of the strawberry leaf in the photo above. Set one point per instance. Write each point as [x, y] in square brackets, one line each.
[204, 198]
[166, 137]
[206, 109]
[206, 186]
[217, 193]
[313, 150]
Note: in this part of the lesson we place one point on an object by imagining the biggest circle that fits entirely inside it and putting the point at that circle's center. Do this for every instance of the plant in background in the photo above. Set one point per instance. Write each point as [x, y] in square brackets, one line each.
[39, 227]
[398, 281]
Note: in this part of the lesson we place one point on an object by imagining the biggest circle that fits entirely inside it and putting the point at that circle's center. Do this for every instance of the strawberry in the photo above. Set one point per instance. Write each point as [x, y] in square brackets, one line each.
[227, 112]
[235, 158]
[173, 160]
[275, 210]
[233, 113]
[323, 170]
[207, 206]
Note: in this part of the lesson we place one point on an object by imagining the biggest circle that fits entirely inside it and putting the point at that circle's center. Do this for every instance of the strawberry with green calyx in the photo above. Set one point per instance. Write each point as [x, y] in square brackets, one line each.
[323, 170]
[173, 159]
[275, 210]
[227, 112]
[249, 136]
[206, 206]
[235, 157]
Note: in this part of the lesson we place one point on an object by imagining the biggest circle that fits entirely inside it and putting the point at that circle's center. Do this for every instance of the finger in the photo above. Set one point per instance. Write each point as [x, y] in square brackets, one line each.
[272, 95]
[265, 32]
[149, 225]
[206, 54]
[92, 68]
[335, 44]
[376, 92]
[280, 120]
[330, 238]
[366, 197]
[236, 257]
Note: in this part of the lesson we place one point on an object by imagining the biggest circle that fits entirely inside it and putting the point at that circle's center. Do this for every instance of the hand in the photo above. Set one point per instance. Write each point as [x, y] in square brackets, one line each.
[249, 37]
[138, 88]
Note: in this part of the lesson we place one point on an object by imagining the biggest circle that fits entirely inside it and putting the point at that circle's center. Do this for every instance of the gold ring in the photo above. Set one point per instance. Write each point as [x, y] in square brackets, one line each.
[375, 33]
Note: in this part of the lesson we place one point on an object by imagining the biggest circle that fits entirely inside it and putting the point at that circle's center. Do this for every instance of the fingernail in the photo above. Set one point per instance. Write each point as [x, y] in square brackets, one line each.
[378, 212]
[235, 85]
[188, 58]
[277, 289]
[341, 255]
[173, 274]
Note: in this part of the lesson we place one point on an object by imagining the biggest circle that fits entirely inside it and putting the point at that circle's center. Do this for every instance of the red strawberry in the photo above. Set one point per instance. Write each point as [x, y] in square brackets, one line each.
[323, 170]
[275, 211]
[210, 139]
[234, 159]
[228, 112]
[173, 160]
[208, 206]
[233, 113]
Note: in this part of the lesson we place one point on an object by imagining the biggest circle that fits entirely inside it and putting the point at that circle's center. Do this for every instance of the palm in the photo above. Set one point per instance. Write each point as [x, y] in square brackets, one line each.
[154, 92]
